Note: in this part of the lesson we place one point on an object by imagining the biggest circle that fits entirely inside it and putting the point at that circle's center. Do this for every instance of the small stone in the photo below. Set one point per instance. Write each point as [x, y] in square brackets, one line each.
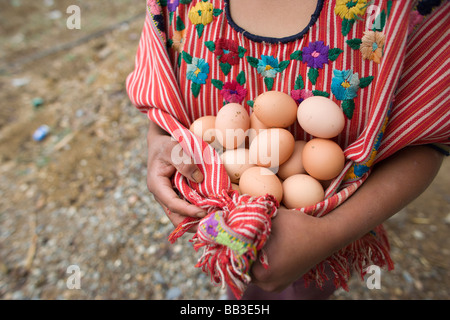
[37, 102]
[418, 235]
[19, 82]
[173, 293]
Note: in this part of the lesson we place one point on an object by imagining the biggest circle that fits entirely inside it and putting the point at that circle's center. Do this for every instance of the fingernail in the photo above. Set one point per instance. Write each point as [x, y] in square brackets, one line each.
[197, 176]
[201, 214]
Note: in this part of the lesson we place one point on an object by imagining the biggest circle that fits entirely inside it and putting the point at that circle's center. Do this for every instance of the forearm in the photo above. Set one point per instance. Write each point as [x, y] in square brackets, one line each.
[393, 184]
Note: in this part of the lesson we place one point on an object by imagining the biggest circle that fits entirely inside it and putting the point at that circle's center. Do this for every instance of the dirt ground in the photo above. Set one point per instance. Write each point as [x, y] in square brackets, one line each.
[79, 197]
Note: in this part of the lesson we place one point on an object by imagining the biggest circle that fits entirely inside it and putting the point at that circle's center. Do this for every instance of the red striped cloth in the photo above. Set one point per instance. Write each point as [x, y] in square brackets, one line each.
[412, 78]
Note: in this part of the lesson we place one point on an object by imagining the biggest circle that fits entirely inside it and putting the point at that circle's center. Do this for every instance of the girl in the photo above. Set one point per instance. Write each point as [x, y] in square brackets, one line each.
[384, 62]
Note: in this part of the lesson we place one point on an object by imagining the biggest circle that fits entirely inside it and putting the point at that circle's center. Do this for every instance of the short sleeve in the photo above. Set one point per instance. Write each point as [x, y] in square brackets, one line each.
[420, 112]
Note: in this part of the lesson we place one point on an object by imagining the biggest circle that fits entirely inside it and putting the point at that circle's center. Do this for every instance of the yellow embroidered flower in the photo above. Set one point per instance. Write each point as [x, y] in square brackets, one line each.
[350, 9]
[178, 40]
[372, 45]
[201, 13]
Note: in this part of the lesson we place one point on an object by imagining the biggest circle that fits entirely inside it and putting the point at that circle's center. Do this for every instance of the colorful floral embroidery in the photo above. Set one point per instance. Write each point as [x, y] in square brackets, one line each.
[178, 40]
[425, 7]
[202, 14]
[172, 5]
[154, 9]
[211, 225]
[301, 94]
[232, 91]
[372, 44]
[350, 11]
[228, 52]
[357, 170]
[268, 67]
[415, 18]
[316, 55]
[197, 71]
[216, 229]
[345, 85]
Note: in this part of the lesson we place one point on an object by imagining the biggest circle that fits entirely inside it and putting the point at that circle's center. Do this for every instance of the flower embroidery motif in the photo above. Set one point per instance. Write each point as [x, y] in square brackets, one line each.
[349, 11]
[178, 40]
[316, 54]
[372, 45]
[268, 67]
[172, 5]
[228, 52]
[154, 7]
[233, 92]
[202, 14]
[301, 94]
[415, 18]
[211, 226]
[155, 11]
[197, 71]
[425, 7]
[345, 84]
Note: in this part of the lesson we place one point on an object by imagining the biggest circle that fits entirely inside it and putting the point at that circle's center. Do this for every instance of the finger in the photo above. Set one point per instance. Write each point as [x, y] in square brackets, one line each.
[167, 196]
[176, 218]
[184, 163]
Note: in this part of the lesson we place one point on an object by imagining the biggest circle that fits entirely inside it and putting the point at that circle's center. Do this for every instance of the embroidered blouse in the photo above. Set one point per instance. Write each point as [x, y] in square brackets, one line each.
[351, 51]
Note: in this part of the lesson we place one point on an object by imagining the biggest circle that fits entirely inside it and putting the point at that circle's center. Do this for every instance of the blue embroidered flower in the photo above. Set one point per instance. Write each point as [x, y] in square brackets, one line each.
[197, 71]
[268, 66]
[345, 84]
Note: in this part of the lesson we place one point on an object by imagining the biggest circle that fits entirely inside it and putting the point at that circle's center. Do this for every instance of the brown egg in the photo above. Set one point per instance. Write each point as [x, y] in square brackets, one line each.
[272, 147]
[203, 127]
[232, 123]
[294, 164]
[323, 159]
[275, 109]
[301, 190]
[320, 117]
[259, 181]
[256, 126]
[236, 161]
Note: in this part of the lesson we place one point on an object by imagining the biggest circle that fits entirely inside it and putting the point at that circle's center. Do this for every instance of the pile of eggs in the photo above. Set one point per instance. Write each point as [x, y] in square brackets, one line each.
[262, 157]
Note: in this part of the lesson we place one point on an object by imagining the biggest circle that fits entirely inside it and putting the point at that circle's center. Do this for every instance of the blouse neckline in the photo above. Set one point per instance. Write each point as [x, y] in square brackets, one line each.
[257, 38]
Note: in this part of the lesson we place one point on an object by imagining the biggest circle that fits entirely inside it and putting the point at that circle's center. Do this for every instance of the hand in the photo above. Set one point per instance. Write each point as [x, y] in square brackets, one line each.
[297, 243]
[160, 169]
